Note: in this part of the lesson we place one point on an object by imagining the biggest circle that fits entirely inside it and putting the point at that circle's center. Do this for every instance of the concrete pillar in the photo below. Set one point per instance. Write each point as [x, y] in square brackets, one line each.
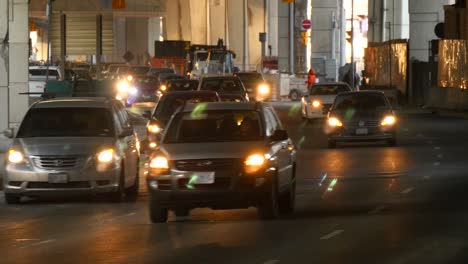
[217, 21]
[283, 36]
[173, 27]
[198, 21]
[424, 15]
[390, 17]
[154, 33]
[272, 27]
[18, 60]
[256, 14]
[236, 24]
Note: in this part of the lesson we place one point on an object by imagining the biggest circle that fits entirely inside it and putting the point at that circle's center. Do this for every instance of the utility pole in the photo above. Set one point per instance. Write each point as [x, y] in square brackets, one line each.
[291, 37]
[49, 15]
[352, 45]
[246, 35]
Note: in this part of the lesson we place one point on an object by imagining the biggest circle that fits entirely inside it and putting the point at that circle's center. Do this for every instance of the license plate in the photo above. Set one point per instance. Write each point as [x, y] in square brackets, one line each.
[362, 131]
[203, 178]
[58, 178]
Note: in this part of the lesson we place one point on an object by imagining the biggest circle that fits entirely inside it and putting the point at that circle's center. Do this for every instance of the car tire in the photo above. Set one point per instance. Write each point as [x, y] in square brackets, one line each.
[157, 213]
[268, 208]
[12, 198]
[119, 195]
[132, 191]
[331, 144]
[294, 95]
[287, 200]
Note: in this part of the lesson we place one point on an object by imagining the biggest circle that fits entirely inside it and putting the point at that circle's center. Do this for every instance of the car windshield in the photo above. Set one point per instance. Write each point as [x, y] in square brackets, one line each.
[146, 79]
[214, 126]
[361, 102]
[182, 85]
[328, 89]
[230, 85]
[250, 78]
[139, 70]
[67, 122]
[170, 103]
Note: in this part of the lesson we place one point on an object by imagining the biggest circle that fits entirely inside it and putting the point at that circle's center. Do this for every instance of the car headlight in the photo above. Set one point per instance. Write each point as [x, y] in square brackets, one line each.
[118, 97]
[133, 91]
[254, 162]
[106, 156]
[129, 78]
[122, 86]
[388, 121]
[263, 89]
[334, 122]
[154, 129]
[163, 88]
[159, 165]
[15, 157]
[316, 104]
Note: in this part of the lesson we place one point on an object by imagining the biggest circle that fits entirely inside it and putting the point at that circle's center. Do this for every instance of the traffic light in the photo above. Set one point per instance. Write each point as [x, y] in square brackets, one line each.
[349, 36]
[305, 38]
[118, 4]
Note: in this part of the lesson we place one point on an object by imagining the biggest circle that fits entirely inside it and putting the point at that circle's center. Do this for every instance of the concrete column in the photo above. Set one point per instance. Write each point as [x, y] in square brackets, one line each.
[217, 21]
[283, 36]
[154, 32]
[198, 21]
[272, 27]
[390, 17]
[18, 60]
[173, 15]
[4, 105]
[235, 24]
[256, 15]
[424, 15]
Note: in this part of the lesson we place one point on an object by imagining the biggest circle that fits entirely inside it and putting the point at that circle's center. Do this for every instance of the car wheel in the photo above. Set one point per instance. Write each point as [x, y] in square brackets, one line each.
[331, 144]
[287, 200]
[294, 95]
[119, 195]
[12, 198]
[268, 207]
[156, 212]
[132, 191]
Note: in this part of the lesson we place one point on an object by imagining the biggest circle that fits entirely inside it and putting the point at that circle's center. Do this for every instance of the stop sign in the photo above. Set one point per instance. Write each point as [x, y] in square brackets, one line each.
[306, 24]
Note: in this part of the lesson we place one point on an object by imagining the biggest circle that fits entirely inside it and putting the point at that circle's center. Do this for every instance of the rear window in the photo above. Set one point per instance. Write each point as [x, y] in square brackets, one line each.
[223, 85]
[188, 85]
[139, 70]
[67, 122]
[170, 103]
[328, 89]
[361, 102]
[214, 126]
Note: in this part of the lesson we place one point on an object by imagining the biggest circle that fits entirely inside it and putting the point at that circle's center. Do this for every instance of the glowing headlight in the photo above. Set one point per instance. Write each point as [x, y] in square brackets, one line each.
[154, 129]
[129, 78]
[153, 145]
[122, 86]
[334, 122]
[388, 121]
[133, 91]
[106, 156]
[159, 165]
[263, 89]
[15, 157]
[118, 97]
[163, 87]
[254, 162]
[316, 104]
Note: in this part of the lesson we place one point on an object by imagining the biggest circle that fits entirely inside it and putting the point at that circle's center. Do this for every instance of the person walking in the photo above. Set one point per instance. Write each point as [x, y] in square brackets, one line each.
[311, 78]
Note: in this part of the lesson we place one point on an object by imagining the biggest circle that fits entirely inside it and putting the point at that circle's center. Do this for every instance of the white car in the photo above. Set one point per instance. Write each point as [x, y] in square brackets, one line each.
[317, 102]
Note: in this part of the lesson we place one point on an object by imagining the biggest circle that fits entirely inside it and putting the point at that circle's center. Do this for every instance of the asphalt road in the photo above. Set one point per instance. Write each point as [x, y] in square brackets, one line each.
[355, 204]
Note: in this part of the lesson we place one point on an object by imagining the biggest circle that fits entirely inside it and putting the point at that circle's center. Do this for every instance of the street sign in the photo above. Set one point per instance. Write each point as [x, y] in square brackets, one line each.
[306, 24]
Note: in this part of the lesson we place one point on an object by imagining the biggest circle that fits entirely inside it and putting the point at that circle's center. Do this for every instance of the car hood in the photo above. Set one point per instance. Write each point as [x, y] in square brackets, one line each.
[63, 146]
[324, 99]
[356, 115]
[218, 150]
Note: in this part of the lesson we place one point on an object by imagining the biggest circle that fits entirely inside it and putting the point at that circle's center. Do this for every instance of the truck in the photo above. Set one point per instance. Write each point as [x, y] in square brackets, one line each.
[194, 60]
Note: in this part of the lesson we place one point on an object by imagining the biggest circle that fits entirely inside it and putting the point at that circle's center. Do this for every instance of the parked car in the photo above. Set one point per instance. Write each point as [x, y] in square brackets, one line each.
[320, 97]
[38, 77]
[247, 160]
[257, 87]
[361, 117]
[73, 146]
[224, 85]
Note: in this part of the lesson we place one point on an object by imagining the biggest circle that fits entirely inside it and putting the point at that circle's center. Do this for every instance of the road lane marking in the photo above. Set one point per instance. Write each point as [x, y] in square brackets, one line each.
[437, 148]
[273, 261]
[377, 210]
[332, 234]
[440, 156]
[407, 190]
[426, 177]
[26, 239]
[39, 243]
[436, 163]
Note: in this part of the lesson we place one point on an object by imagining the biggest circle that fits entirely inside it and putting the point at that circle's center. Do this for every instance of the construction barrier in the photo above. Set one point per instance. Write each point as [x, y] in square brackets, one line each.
[453, 64]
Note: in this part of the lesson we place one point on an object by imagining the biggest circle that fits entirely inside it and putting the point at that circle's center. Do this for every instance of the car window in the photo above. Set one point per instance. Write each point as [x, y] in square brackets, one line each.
[215, 126]
[328, 89]
[67, 122]
[250, 78]
[271, 122]
[123, 116]
[37, 72]
[182, 85]
[361, 102]
[222, 85]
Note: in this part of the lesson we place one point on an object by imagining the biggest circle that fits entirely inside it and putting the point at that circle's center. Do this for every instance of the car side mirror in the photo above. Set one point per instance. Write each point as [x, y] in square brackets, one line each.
[147, 114]
[9, 133]
[126, 132]
[279, 135]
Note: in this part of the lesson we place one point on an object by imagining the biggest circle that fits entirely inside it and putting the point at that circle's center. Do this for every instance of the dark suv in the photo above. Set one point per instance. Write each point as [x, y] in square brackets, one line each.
[223, 156]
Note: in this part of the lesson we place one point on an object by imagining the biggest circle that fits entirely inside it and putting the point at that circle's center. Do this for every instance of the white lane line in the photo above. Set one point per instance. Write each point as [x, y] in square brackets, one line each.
[436, 163]
[407, 190]
[26, 239]
[377, 210]
[332, 234]
[426, 177]
[440, 156]
[273, 261]
[40, 243]
[437, 148]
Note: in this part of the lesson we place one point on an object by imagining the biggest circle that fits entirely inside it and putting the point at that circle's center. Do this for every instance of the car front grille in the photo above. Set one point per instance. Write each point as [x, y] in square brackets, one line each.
[69, 185]
[207, 165]
[219, 184]
[56, 162]
[363, 123]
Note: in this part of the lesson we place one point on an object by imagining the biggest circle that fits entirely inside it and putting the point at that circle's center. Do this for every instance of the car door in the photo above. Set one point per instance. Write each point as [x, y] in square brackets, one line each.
[279, 149]
[128, 146]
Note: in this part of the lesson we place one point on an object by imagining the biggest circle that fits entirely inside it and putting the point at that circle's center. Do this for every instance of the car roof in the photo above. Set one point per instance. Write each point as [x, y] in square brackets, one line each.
[191, 92]
[248, 73]
[224, 106]
[43, 67]
[330, 83]
[221, 77]
[75, 102]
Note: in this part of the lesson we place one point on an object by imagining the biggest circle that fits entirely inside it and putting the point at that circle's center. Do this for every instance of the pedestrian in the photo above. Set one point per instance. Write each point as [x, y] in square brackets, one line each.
[311, 78]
